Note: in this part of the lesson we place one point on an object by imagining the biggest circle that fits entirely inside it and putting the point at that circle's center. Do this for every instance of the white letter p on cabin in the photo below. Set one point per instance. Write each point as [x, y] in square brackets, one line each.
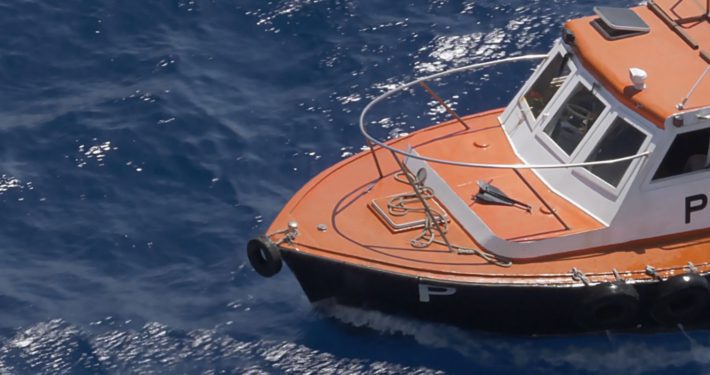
[426, 291]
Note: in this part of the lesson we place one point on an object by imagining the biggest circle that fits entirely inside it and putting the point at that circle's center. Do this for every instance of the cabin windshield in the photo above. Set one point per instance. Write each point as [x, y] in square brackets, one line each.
[574, 119]
[620, 140]
[547, 85]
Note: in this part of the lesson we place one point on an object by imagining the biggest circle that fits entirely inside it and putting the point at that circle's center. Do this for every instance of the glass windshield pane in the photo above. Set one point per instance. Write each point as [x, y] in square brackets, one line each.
[688, 153]
[573, 120]
[620, 140]
[547, 85]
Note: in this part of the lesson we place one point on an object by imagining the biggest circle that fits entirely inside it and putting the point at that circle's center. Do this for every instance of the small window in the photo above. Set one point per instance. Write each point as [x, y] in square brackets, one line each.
[573, 120]
[547, 85]
[620, 140]
[688, 153]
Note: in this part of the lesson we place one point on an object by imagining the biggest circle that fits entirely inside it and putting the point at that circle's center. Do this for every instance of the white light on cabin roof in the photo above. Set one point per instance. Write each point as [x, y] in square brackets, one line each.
[638, 78]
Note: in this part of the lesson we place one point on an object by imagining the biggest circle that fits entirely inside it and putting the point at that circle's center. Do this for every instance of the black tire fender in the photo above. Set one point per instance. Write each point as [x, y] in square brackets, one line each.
[264, 256]
[681, 299]
[609, 305]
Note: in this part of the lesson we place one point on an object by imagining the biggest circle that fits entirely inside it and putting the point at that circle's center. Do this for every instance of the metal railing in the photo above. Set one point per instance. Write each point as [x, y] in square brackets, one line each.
[373, 141]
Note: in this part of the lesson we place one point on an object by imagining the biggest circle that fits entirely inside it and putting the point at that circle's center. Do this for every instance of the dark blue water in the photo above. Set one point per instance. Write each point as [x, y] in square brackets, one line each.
[142, 143]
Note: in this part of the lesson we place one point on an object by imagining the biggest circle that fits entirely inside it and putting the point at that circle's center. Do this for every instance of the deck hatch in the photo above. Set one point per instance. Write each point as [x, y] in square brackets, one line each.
[616, 23]
[412, 217]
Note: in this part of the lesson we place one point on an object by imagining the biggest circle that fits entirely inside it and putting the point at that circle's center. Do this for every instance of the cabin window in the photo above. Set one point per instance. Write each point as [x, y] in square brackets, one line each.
[575, 117]
[545, 87]
[688, 153]
[620, 140]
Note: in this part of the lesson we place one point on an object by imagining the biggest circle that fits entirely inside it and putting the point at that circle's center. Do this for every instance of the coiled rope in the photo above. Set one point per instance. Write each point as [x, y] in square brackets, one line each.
[400, 205]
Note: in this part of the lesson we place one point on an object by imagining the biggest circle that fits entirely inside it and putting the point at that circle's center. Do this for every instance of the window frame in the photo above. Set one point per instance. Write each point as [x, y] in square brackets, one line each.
[525, 109]
[679, 178]
[547, 142]
[586, 175]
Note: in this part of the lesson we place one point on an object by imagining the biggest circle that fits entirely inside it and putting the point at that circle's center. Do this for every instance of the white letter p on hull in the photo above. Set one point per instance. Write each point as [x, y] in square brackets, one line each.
[426, 291]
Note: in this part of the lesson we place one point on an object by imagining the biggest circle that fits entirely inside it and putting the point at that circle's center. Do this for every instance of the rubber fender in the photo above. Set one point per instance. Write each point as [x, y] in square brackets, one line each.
[681, 299]
[609, 305]
[264, 256]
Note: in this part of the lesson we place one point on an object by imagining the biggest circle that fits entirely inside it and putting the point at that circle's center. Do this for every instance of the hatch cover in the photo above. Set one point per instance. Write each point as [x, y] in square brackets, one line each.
[616, 23]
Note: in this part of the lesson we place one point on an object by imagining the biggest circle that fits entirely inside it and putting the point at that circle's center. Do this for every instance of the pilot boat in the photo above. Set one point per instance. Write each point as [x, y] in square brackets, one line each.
[580, 206]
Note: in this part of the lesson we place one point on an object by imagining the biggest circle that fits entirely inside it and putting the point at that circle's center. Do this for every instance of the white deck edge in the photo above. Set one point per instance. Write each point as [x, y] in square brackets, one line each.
[484, 236]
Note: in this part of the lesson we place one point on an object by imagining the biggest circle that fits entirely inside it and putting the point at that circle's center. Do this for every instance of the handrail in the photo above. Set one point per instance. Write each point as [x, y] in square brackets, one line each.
[370, 138]
[675, 26]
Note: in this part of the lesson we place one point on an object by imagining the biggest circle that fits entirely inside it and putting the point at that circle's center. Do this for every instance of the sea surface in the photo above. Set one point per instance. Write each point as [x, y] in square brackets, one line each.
[144, 142]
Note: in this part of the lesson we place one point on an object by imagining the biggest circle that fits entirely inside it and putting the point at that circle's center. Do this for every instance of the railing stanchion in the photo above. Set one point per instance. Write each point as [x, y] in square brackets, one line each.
[443, 104]
[374, 157]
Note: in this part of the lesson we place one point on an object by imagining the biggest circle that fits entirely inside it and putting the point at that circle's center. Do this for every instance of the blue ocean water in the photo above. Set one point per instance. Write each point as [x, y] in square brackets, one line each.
[142, 143]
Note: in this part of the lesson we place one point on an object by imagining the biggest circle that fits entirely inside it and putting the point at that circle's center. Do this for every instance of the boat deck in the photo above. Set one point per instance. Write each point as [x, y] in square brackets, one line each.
[355, 233]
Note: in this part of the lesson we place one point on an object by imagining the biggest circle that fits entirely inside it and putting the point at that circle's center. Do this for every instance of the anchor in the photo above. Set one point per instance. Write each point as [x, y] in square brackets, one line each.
[490, 194]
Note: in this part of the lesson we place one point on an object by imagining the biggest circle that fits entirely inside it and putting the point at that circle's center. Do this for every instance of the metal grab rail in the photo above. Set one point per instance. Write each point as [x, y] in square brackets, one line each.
[375, 141]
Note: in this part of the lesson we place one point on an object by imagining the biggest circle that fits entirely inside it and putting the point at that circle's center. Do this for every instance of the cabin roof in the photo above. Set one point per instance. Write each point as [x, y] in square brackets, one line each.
[672, 64]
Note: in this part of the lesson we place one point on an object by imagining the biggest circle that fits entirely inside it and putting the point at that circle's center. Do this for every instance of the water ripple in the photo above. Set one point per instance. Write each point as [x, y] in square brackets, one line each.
[144, 143]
